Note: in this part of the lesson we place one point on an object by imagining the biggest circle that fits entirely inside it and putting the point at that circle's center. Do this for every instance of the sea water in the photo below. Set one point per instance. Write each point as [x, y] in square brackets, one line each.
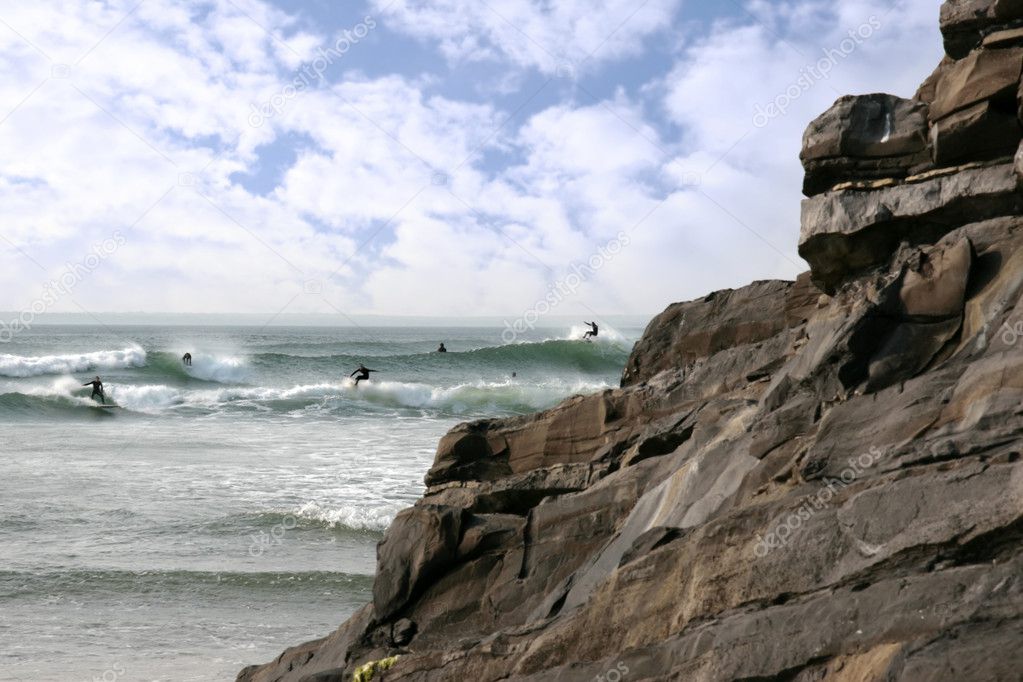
[225, 511]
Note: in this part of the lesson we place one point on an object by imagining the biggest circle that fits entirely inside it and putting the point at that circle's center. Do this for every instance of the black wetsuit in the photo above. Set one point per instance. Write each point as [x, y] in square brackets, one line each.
[594, 330]
[442, 349]
[187, 359]
[363, 374]
[97, 390]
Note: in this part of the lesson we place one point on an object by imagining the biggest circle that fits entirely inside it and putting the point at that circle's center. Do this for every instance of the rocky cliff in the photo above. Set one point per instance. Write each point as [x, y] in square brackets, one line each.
[799, 481]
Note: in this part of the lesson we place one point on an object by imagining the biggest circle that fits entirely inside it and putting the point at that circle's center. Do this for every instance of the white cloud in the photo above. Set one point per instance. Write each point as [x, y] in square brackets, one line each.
[531, 33]
[708, 199]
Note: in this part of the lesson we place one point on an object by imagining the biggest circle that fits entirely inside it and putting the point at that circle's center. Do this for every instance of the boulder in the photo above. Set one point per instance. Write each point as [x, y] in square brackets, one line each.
[403, 632]
[864, 137]
[935, 284]
[870, 126]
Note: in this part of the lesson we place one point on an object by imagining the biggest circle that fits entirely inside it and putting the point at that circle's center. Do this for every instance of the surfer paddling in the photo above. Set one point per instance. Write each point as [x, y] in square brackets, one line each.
[187, 359]
[363, 374]
[594, 331]
[97, 389]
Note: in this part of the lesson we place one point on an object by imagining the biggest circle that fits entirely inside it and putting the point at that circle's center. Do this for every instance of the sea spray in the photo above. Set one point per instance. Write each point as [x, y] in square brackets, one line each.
[22, 366]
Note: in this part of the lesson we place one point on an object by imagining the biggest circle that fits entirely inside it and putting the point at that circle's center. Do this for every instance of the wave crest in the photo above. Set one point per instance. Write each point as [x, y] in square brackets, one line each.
[468, 398]
[353, 517]
[22, 366]
[221, 369]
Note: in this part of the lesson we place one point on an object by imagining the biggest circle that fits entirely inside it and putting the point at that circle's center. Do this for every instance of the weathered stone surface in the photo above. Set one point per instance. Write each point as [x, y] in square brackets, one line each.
[845, 232]
[687, 332]
[965, 23]
[787, 486]
[490, 450]
[864, 138]
[978, 133]
[927, 90]
[418, 545]
[868, 126]
[984, 75]
[935, 286]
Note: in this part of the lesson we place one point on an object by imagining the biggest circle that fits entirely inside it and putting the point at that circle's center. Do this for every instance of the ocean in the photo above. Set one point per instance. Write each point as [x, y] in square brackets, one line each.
[225, 511]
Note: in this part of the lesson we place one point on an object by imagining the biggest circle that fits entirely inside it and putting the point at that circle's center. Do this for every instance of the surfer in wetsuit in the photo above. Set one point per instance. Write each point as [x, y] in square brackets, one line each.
[187, 359]
[594, 331]
[363, 373]
[442, 349]
[97, 389]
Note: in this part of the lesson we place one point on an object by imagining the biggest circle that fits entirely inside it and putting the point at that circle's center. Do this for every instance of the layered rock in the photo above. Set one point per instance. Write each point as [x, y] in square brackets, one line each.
[865, 138]
[965, 24]
[848, 230]
[792, 482]
[868, 189]
[974, 115]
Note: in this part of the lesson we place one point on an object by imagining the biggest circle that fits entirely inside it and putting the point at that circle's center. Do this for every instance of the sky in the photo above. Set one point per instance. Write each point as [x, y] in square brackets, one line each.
[446, 158]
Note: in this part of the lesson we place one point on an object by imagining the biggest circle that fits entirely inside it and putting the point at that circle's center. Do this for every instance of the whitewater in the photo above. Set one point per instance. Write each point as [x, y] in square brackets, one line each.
[258, 477]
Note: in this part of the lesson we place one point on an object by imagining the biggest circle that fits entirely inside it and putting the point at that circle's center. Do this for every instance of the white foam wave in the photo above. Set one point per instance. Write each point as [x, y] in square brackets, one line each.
[607, 335]
[64, 387]
[465, 397]
[21, 366]
[157, 397]
[480, 396]
[356, 517]
[219, 369]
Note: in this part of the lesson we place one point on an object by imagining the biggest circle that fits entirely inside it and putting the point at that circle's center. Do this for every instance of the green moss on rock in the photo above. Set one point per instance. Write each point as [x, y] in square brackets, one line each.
[367, 671]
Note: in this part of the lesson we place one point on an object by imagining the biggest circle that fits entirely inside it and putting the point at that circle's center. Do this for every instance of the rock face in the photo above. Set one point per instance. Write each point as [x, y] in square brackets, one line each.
[799, 481]
[846, 231]
[881, 171]
[966, 23]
